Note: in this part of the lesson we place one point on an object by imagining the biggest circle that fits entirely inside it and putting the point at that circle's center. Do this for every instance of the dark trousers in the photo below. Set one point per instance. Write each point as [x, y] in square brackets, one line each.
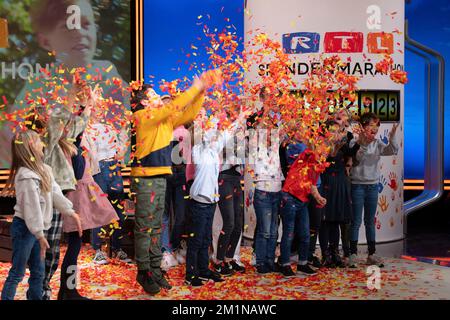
[329, 236]
[231, 207]
[111, 182]
[315, 218]
[200, 237]
[345, 238]
[176, 193]
[69, 266]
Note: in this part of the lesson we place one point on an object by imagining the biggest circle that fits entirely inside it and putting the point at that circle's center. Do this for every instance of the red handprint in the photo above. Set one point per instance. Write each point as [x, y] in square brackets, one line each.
[393, 181]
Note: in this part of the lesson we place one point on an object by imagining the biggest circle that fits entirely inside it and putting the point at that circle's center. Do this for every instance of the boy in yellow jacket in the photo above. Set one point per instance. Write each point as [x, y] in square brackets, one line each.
[154, 123]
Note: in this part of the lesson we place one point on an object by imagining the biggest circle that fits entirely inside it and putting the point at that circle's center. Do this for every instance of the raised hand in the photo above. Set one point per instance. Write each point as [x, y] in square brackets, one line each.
[393, 131]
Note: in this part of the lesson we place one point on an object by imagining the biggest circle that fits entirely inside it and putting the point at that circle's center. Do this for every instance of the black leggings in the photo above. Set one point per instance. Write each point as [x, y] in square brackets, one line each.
[232, 211]
[69, 265]
[315, 218]
[329, 236]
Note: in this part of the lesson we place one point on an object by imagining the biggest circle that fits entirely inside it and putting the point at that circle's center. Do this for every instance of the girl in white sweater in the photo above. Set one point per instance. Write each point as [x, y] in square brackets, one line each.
[36, 193]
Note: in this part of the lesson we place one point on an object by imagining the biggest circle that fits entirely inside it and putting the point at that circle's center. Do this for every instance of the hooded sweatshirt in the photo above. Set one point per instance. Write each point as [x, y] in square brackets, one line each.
[368, 158]
[36, 207]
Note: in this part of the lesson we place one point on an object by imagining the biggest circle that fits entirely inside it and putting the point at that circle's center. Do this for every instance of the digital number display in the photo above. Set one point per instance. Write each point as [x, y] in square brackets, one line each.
[385, 104]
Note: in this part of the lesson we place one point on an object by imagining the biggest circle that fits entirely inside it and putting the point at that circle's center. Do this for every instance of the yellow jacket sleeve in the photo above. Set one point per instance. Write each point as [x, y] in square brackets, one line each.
[153, 116]
[190, 113]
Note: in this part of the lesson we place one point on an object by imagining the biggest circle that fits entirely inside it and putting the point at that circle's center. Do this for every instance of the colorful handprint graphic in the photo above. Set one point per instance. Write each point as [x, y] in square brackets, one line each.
[381, 183]
[393, 181]
[384, 137]
[383, 204]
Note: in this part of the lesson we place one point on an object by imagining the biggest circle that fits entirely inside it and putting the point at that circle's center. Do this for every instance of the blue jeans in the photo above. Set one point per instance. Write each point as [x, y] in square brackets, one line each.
[364, 196]
[26, 250]
[294, 216]
[111, 183]
[200, 238]
[267, 208]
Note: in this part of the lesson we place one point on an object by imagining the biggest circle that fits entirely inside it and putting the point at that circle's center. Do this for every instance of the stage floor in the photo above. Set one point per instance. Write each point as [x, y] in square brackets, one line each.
[400, 279]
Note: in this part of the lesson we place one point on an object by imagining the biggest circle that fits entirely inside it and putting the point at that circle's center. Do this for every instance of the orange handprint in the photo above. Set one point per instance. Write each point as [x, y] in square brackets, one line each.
[393, 183]
[383, 203]
[391, 222]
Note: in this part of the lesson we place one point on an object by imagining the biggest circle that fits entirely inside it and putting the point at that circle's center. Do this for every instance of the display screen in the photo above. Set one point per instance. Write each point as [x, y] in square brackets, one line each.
[385, 104]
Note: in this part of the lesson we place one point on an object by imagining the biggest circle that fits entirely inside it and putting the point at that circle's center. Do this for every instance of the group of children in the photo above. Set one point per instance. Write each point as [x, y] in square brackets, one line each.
[74, 165]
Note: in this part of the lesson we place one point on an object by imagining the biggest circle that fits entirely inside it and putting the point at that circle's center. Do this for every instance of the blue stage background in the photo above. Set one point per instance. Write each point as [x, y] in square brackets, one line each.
[171, 27]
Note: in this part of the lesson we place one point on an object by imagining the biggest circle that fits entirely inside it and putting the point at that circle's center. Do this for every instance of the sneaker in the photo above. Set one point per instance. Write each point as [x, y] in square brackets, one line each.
[237, 267]
[100, 258]
[287, 271]
[121, 255]
[180, 255]
[275, 268]
[327, 261]
[147, 283]
[305, 268]
[352, 261]
[163, 283]
[337, 260]
[211, 275]
[262, 269]
[223, 269]
[375, 260]
[168, 261]
[345, 262]
[315, 262]
[253, 260]
[194, 282]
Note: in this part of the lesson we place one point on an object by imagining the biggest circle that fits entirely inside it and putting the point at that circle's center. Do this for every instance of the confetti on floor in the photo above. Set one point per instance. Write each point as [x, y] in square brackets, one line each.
[400, 279]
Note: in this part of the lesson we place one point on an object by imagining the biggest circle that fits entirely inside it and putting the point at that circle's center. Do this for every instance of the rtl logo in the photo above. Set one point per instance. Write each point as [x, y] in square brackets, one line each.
[338, 42]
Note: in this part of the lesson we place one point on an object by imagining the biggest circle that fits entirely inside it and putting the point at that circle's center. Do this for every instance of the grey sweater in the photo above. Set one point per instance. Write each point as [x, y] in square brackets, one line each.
[36, 207]
[368, 157]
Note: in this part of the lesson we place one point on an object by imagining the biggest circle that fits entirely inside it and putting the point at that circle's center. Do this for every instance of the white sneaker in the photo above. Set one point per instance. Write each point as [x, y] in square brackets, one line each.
[100, 258]
[122, 256]
[168, 261]
[353, 261]
[253, 260]
[375, 260]
[181, 256]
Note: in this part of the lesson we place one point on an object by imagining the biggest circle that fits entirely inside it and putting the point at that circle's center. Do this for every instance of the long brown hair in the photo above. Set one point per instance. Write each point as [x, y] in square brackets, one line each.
[24, 155]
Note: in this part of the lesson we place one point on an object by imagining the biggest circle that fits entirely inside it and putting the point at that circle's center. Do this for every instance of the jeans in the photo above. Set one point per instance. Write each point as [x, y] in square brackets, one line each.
[176, 192]
[364, 196]
[294, 215]
[26, 250]
[231, 205]
[200, 238]
[111, 182]
[150, 199]
[267, 208]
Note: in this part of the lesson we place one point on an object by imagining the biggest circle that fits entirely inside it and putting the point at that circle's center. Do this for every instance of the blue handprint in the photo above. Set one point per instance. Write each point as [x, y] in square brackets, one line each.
[385, 137]
[381, 183]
